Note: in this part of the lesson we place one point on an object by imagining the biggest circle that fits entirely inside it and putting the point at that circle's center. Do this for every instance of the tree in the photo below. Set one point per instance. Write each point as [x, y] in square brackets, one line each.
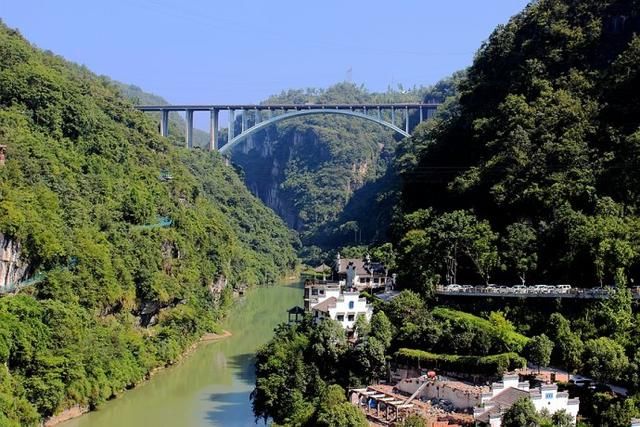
[381, 328]
[520, 249]
[404, 307]
[414, 420]
[335, 411]
[568, 345]
[604, 359]
[562, 418]
[521, 414]
[539, 349]
[362, 327]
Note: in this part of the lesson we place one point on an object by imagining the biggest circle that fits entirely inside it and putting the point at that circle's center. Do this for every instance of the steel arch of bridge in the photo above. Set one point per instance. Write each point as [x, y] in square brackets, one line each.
[289, 115]
[362, 111]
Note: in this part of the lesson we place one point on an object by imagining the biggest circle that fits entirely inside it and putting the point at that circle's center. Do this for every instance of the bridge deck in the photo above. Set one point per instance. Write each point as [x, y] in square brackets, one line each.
[261, 107]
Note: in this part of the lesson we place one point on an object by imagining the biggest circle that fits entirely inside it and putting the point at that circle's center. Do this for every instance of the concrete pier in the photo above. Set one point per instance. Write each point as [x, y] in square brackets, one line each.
[213, 130]
[188, 133]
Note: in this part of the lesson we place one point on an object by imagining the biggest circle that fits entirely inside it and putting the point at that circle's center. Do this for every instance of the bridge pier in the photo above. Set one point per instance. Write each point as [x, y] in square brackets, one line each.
[257, 118]
[244, 120]
[421, 115]
[213, 131]
[232, 122]
[393, 116]
[188, 135]
[379, 114]
[406, 119]
[164, 123]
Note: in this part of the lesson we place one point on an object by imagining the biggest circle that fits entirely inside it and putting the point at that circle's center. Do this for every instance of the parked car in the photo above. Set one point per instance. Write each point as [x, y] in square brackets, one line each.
[519, 289]
[453, 288]
[564, 289]
[541, 289]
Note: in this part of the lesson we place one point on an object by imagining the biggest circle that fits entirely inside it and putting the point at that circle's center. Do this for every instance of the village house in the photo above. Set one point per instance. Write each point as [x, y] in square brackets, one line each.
[330, 301]
[367, 274]
[505, 393]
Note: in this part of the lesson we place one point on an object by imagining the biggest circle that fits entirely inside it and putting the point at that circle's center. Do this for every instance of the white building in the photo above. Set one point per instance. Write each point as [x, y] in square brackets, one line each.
[329, 301]
[363, 273]
[505, 393]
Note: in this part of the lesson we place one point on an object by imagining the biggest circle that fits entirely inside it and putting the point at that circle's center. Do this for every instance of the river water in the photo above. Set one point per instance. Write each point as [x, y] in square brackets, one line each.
[212, 386]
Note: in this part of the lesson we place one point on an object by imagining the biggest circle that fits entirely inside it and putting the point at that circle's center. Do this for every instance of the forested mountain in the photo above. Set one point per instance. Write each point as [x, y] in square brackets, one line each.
[133, 238]
[310, 170]
[534, 169]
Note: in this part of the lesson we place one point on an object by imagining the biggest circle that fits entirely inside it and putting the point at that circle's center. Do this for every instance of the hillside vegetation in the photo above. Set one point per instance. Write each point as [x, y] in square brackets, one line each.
[533, 171]
[83, 193]
[322, 174]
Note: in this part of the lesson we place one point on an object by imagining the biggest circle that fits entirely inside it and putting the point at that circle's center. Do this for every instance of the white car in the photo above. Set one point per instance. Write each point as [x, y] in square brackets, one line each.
[563, 289]
[519, 289]
[453, 288]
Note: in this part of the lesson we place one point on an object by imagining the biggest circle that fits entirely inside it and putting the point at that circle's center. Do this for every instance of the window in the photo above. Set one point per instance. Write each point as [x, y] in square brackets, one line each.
[362, 280]
[340, 317]
[314, 292]
[548, 396]
[351, 317]
[321, 291]
[351, 305]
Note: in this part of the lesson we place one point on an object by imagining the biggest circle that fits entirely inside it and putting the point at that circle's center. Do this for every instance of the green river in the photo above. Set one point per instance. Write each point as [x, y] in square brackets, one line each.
[211, 387]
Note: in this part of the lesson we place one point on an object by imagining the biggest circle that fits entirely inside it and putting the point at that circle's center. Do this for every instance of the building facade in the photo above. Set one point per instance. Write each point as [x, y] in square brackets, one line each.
[505, 393]
[362, 273]
[330, 301]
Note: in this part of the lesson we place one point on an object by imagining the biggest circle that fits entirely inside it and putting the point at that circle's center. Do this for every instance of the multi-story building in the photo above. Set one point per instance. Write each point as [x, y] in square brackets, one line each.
[366, 274]
[328, 300]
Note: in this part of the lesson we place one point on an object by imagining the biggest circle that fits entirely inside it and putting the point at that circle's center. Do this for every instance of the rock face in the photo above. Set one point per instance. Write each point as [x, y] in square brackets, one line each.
[12, 268]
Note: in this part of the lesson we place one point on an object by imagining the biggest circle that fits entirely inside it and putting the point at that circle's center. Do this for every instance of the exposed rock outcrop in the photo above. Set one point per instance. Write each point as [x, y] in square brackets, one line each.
[13, 268]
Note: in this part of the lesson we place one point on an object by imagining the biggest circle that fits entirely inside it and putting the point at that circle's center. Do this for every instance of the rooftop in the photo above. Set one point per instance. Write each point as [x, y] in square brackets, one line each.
[363, 268]
[325, 305]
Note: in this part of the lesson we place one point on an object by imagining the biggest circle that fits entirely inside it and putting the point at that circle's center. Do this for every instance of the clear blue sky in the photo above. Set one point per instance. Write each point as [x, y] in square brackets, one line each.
[241, 51]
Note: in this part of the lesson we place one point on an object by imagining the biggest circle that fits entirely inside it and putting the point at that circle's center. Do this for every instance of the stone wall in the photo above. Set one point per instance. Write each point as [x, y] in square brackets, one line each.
[461, 395]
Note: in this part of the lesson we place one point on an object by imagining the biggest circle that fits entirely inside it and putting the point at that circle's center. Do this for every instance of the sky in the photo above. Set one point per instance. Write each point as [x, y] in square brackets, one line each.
[242, 51]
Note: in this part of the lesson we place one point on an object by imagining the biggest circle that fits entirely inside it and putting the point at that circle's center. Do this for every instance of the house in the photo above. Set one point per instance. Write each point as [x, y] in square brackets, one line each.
[366, 274]
[505, 393]
[635, 422]
[327, 300]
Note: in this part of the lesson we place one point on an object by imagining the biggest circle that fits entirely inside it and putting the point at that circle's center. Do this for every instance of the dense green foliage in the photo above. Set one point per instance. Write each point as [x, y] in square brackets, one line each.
[489, 365]
[531, 172]
[302, 372]
[85, 172]
[539, 147]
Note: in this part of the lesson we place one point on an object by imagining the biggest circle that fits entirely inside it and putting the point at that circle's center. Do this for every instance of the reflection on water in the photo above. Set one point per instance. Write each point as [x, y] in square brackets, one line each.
[212, 386]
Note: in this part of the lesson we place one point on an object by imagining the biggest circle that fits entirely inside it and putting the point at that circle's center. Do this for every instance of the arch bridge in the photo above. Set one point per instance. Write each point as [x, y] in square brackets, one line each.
[257, 117]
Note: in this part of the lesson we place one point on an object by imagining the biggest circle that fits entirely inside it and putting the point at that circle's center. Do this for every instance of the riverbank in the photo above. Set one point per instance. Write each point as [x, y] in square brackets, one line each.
[79, 410]
[176, 394]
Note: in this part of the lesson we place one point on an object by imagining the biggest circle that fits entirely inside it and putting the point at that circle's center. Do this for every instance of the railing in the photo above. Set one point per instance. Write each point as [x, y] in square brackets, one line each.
[531, 292]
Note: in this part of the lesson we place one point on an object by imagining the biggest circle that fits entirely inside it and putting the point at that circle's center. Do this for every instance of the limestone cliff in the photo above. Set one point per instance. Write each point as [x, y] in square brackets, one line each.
[12, 267]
